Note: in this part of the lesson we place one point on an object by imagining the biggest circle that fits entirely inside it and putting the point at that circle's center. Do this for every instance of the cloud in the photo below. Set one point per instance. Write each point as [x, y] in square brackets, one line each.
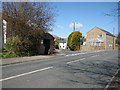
[77, 25]
[58, 26]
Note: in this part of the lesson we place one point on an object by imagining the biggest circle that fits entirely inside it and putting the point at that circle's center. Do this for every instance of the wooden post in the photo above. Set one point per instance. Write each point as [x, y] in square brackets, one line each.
[74, 27]
[113, 38]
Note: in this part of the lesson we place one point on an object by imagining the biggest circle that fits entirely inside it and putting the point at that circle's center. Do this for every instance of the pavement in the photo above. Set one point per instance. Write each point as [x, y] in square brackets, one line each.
[15, 60]
[74, 70]
[56, 53]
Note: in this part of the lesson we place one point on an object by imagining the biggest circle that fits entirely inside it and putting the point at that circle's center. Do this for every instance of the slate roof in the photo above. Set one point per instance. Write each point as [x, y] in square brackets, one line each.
[61, 41]
[108, 33]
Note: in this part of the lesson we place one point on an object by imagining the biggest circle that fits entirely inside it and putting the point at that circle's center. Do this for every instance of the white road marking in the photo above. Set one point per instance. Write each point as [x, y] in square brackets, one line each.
[82, 59]
[95, 56]
[26, 73]
[75, 61]
[83, 53]
[75, 54]
[99, 51]
[111, 79]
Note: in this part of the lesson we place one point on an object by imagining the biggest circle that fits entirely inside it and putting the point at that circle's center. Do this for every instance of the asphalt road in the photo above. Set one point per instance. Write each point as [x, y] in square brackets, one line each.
[76, 70]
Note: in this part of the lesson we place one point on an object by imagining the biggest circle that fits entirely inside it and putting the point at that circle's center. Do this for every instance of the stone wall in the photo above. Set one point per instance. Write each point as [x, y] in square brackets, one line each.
[51, 50]
[109, 42]
[92, 48]
[95, 48]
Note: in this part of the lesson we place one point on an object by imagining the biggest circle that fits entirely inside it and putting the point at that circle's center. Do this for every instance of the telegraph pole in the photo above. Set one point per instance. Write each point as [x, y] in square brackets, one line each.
[74, 27]
[113, 38]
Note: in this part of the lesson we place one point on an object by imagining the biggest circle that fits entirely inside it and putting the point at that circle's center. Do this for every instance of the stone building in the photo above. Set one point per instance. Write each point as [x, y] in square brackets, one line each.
[48, 43]
[101, 38]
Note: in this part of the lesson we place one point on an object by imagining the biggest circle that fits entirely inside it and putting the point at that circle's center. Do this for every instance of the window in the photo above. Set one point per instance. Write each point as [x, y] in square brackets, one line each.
[97, 44]
[100, 35]
[89, 44]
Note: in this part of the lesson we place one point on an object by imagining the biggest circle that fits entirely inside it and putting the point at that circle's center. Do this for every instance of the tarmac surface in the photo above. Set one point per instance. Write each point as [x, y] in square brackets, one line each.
[73, 70]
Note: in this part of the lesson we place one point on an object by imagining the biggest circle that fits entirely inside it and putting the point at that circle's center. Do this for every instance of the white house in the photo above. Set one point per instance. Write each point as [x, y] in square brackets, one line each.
[62, 44]
[84, 41]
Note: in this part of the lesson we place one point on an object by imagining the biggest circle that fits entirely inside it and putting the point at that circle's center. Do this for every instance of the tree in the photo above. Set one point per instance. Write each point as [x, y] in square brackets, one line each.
[114, 12]
[75, 41]
[56, 45]
[69, 40]
[29, 21]
[36, 15]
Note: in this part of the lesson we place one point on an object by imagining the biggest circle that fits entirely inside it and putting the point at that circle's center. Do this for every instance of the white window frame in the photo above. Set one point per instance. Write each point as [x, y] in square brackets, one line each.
[100, 35]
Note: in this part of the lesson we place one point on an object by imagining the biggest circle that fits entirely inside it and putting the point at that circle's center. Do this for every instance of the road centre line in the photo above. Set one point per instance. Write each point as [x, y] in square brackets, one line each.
[80, 59]
[75, 61]
[95, 56]
[35, 71]
[75, 54]
[83, 53]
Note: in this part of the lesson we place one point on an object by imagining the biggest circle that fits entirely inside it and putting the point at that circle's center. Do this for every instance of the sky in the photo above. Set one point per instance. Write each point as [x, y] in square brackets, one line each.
[85, 15]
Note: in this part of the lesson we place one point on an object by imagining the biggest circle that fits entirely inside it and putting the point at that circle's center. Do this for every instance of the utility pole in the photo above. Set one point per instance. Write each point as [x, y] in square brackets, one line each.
[105, 41]
[113, 38]
[74, 27]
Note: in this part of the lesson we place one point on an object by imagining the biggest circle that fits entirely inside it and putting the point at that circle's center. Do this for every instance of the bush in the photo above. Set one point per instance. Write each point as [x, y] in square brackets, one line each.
[117, 45]
[7, 55]
[69, 40]
[75, 41]
[11, 47]
[56, 45]
[11, 44]
[17, 47]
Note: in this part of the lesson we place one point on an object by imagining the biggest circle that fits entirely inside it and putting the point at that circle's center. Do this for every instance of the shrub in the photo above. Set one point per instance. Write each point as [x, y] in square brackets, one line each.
[75, 41]
[117, 45]
[13, 48]
[69, 40]
[10, 48]
[56, 45]
[11, 45]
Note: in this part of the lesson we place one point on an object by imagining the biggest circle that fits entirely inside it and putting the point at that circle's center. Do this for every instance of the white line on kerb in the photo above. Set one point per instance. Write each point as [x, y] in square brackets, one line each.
[26, 73]
[75, 61]
[111, 79]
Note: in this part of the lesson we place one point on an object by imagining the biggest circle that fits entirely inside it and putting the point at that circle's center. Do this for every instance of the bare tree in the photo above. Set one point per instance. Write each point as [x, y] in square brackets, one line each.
[36, 15]
[29, 21]
[114, 12]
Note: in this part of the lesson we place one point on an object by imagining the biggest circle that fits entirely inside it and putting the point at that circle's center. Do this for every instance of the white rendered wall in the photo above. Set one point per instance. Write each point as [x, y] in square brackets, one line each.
[62, 45]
